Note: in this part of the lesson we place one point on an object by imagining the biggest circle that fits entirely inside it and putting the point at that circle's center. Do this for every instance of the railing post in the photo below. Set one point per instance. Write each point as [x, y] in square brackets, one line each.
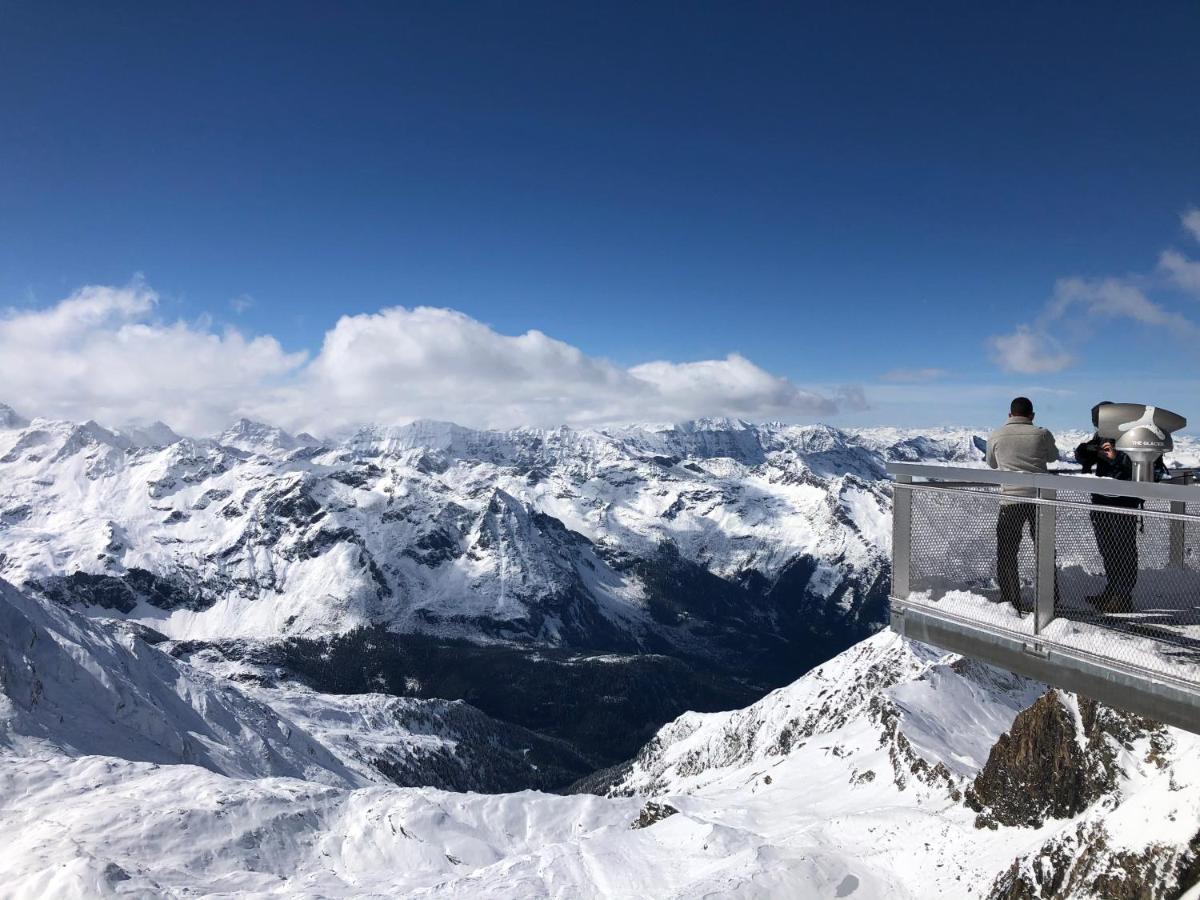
[901, 536]
[1047, 562]
[1178, 534]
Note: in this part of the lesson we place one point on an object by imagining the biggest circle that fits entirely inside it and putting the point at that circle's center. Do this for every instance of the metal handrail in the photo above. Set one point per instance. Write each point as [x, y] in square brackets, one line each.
[1123, 677]
[1052, 481]
[1046, 487]
[952, 488]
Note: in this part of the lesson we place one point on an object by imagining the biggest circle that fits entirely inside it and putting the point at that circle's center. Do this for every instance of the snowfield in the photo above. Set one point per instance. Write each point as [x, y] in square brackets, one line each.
[848, 783]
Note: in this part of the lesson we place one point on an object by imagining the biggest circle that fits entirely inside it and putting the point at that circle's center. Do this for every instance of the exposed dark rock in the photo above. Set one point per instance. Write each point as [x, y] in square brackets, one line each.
[357, 477]
[122, 592]
[907, 764]
[1052, 764]
[212, 495]
[432, 463]
[601, 781]
[1081, 863]
[653, 812]
[15, 514]
[105, 591]
[435, 547]
[486, 755]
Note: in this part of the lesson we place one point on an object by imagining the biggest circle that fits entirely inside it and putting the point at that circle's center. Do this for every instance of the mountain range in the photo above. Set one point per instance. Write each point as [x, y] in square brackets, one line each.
[261, 662]
[666, 568]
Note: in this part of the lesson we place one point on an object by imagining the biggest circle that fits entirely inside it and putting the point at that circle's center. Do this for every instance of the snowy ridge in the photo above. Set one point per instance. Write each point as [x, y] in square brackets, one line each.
[881, 681]
[529, 535]
[871, 799]
[78, 686]
[74, 686]
[437, 743]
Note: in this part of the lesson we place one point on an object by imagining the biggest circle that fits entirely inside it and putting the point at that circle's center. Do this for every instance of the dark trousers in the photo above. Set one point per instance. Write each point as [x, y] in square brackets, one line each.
[1010, 529]
[1116, 536]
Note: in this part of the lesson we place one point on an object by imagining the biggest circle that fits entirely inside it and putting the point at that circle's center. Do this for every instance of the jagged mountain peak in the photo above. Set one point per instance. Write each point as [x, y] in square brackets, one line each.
[10, 418]
[714, 423]
[247, 434]
[426, 434]
[156, 434]
[699, 749]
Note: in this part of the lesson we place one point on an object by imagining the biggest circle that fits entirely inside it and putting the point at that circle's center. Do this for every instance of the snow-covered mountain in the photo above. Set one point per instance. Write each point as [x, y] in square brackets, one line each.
[702, 563]
[263, 663]
[75, 686]
[80, 686]
[667, 568]
[891, 771]
[540, 537]
[941, 777]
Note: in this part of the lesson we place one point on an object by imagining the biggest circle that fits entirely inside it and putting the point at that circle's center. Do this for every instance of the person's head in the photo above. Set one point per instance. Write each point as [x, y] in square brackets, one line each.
[1021, 406]
[1107, 449]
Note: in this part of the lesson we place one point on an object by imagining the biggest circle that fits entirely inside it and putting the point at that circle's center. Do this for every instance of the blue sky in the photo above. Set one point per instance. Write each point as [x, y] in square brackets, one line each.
[835, 194]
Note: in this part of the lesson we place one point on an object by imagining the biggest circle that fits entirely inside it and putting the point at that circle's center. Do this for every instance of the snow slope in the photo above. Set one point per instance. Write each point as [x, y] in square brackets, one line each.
[79, 686]
[853, 782]
[71, 685]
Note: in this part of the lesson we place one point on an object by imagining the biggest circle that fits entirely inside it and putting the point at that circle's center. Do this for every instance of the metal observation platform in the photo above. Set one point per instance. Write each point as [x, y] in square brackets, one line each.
[1143, 656]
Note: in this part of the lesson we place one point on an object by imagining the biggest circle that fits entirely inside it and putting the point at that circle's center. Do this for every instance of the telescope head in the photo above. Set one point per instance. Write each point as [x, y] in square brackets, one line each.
[1143, 433]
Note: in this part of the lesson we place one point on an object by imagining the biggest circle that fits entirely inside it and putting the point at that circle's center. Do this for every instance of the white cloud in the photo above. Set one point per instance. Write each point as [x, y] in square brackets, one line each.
[1113, 298]
[1033, 348]
[913, 376]
[1029, 352]
[852, 397]
[1191, 221]
[1183, 272]
[100, 353]
[103, 353]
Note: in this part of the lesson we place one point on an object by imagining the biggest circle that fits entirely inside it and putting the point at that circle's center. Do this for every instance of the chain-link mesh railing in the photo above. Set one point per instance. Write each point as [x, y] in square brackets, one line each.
[1124, 583]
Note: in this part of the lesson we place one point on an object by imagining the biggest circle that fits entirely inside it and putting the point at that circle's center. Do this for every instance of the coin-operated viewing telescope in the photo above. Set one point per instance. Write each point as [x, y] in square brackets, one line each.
[1143, 433]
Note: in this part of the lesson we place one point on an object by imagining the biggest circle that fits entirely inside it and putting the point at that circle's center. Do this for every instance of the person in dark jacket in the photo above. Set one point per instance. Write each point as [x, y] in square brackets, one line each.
[1116, 532]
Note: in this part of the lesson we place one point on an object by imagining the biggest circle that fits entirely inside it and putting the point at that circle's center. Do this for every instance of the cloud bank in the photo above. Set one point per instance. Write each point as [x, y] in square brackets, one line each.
[104, 353]
[913, 376]
[1029, 352]
[1034, 348]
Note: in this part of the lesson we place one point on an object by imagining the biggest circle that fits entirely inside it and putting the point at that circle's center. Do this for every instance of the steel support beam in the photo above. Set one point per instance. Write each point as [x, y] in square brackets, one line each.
[1178, 534]
[1142, 694]
[901, 535]
[1047, 575]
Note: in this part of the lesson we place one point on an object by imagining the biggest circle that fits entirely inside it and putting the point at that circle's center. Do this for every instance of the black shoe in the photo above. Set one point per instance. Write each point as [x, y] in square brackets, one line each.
[1119, 604]
[1110, 602]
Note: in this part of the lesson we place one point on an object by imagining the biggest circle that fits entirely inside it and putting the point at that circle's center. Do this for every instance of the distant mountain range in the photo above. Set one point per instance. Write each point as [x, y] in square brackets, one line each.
[265, 663]
[666, 568]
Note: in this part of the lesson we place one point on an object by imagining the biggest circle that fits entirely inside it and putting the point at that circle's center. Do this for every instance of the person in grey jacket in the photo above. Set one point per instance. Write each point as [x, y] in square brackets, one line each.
[1017, 446]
